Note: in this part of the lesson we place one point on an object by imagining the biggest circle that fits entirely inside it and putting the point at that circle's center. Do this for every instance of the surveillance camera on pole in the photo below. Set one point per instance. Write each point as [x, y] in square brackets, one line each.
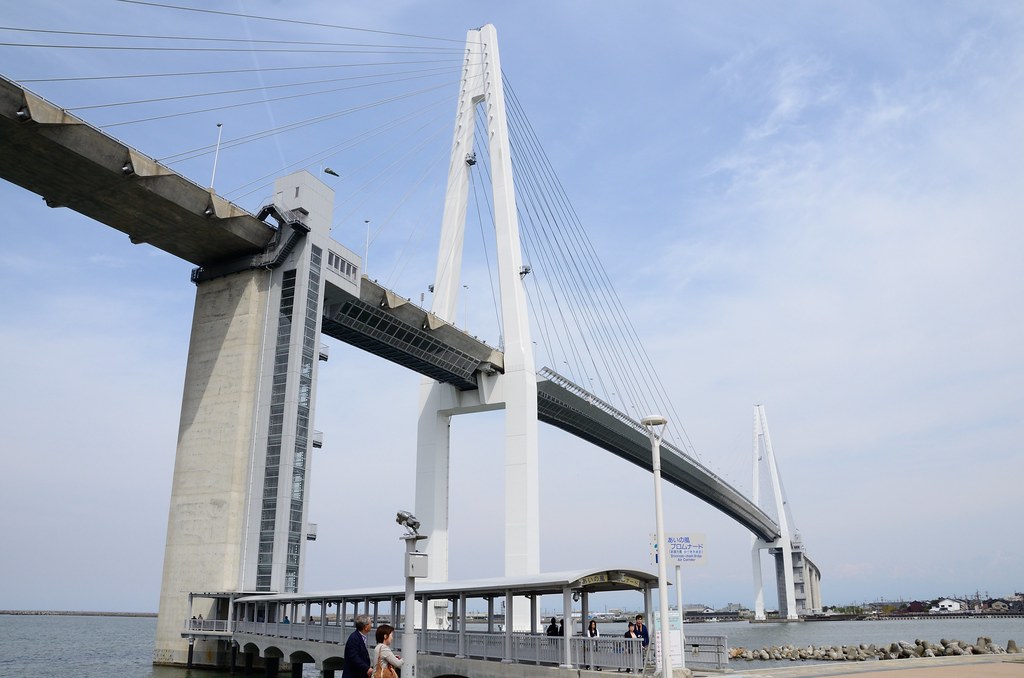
[408, 521]
[415, 567]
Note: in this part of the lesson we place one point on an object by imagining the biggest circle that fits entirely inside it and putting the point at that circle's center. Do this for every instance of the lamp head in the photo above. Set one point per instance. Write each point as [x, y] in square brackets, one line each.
[654, 420]
[408, 521]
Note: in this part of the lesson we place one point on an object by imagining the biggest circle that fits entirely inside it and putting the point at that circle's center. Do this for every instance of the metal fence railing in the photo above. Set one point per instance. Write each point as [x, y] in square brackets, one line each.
[706, 652]
[611, 653]
[207, 625]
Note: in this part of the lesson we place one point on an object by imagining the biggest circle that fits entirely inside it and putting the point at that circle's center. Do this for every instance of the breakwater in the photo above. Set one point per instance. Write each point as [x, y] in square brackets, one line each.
[864, 652]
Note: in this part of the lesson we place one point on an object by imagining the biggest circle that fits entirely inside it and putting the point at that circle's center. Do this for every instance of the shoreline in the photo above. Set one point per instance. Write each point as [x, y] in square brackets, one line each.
[74, 613]
[944, 667]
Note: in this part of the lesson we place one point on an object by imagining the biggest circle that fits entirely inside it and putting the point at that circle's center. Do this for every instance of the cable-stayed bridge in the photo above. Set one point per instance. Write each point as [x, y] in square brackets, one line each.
[154, 205]
[281, 266]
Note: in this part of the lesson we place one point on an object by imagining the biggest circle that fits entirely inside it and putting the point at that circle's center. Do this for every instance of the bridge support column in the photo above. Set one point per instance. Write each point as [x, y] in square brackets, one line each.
[816, 590]
[763, 452]
[755, 555]
[517, 386]
[243, 459]
[215, 441]
[784, 581]
[433, 451]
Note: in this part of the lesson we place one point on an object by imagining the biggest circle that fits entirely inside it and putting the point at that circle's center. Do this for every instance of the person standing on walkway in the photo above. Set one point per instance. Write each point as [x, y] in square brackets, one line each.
[630, 633]
[553, 627]
[357, 656]
[384, 653]
[641, 631]
[592, 632]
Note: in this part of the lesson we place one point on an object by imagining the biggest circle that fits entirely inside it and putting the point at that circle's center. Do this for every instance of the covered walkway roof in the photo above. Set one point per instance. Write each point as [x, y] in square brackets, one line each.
[591, 581]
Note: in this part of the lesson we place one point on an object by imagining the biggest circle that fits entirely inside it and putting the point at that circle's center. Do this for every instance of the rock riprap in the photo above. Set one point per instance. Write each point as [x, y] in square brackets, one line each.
[898, 650]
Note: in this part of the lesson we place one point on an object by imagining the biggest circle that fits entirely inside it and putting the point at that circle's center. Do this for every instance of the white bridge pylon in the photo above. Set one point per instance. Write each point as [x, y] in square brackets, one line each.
[516, 390]
[764, 454]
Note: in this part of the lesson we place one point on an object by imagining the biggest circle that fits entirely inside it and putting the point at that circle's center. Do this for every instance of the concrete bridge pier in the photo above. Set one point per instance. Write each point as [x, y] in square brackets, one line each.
[244, 441]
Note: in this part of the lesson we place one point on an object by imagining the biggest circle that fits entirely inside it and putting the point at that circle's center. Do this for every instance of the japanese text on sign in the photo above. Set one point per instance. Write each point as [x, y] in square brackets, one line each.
[682, 548]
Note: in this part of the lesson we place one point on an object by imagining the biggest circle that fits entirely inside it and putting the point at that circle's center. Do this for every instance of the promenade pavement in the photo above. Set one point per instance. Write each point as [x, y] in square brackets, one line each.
[974, 666]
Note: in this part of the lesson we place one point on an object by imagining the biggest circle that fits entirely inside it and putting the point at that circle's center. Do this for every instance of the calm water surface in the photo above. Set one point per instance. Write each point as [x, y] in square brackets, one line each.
[116, 647]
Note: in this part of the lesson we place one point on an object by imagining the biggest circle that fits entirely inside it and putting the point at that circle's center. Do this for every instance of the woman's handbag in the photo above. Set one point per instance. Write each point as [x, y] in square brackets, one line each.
[384, 669]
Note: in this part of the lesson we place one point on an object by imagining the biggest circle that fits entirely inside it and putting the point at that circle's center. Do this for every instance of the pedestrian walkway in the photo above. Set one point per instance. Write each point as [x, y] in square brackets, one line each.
[975, 666]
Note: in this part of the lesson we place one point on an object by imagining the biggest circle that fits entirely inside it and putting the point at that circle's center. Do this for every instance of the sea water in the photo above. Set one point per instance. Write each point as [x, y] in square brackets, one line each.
[122, 647]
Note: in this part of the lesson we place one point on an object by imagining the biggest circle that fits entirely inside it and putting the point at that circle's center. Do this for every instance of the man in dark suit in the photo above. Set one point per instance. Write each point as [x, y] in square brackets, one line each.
[641, 631]
[357, 656]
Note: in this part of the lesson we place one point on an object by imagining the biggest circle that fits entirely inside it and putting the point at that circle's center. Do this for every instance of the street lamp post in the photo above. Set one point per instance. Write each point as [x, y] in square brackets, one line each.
[655, 425]
[415, 566]
[366, 250]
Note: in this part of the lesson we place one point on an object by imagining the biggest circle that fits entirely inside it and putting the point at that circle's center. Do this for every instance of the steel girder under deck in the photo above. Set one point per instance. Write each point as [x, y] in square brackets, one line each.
[391, 327]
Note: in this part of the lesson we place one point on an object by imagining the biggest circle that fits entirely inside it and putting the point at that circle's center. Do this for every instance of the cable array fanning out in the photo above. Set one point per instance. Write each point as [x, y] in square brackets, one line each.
[382, 114]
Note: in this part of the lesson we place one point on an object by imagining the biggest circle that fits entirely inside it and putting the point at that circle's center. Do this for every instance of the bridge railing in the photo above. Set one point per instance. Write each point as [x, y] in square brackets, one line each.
[207, 625]
[706, 652]
[537, 649]
[613, 652]
[439, 642]
[317, 632]
[480, 644]
[607, 653]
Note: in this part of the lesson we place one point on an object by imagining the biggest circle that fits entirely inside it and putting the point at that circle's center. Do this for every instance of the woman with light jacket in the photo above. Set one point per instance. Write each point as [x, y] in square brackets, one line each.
[386, 634]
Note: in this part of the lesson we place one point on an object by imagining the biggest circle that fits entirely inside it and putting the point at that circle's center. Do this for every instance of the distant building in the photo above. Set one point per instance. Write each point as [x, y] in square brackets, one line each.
[948, 605]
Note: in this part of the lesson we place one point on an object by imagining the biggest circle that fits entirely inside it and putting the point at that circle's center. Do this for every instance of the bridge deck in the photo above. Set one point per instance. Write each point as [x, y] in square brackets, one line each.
[569, 407]
[78, 166]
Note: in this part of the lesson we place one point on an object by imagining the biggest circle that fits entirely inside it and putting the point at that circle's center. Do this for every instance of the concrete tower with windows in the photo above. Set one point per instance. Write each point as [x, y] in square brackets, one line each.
[238, 514]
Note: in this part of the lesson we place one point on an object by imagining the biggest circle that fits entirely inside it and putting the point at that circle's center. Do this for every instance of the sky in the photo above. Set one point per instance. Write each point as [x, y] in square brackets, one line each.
[814, 206]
